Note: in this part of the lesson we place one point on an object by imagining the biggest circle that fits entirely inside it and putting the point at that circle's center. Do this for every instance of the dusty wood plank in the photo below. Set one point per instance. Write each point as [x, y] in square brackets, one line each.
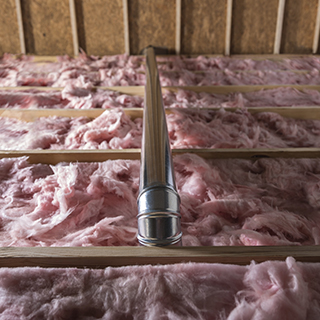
[101, 257]
[47, 27]
[152, 23]
[9, 28]
[298, 26]
[253, 26]
[203, 26]
[100, 26]
[57, 156]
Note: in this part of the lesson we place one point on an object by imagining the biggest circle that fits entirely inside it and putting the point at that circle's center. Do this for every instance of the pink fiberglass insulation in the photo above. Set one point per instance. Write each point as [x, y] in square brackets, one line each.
[269, 290]
[111, 130]
[73, 97]
[92, 63]
[125, 70]
[78, 204]
[70, 97]
[242, 202]
[223, 202]
[278, 97]
[239, 129]
[187, 129]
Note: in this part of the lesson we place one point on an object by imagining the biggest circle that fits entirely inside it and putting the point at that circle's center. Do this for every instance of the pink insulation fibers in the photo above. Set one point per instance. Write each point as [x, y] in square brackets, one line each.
[123, 70]
[269, 290]
[244, 202]
[81, 204]
[278, 97]
[70, 97]
[223, 202]
[187, 129]
[239, 129]
[111, 130]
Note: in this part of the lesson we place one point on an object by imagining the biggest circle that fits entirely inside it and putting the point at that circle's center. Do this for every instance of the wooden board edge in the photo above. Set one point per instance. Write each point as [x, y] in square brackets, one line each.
[139, 90]
[56, 156]
[101, 257]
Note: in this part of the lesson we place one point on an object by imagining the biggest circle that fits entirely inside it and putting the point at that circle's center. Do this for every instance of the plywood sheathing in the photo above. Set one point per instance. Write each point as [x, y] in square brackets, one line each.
[298, 26]
[203, 26]
[9, 32]
[152, 23]
[253, 26]
[100, 26]
[47, 27]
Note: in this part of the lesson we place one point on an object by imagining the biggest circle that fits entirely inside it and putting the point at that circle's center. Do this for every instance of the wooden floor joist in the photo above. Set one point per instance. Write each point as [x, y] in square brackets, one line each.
[56, 156]
[101, 257]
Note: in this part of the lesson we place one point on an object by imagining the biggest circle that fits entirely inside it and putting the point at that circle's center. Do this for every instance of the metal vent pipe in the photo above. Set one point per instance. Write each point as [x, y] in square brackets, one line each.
[158, 202]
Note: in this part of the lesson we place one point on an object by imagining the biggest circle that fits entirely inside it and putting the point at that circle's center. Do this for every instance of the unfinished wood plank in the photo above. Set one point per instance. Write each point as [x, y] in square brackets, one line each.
[152, 23]
[178, 26]
[126, 26]
[74, 29]
[20, 25]
[228, 28]
[100, 26]
[203, 26]
[9, 28]
[47, 27]
[101, 257]
[298, 26]
[139, 90]
[277, 40]
[135, 90]
[253, 26]
[57, 156]
[315, 45]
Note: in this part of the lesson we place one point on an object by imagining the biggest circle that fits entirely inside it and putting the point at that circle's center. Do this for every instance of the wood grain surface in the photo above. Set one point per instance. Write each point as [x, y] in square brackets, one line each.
[101, 257]
[203, 26]
[9, 32]
[47, 27]
[253, 26]
[298, 26]
[100, 26]
[151, 23]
